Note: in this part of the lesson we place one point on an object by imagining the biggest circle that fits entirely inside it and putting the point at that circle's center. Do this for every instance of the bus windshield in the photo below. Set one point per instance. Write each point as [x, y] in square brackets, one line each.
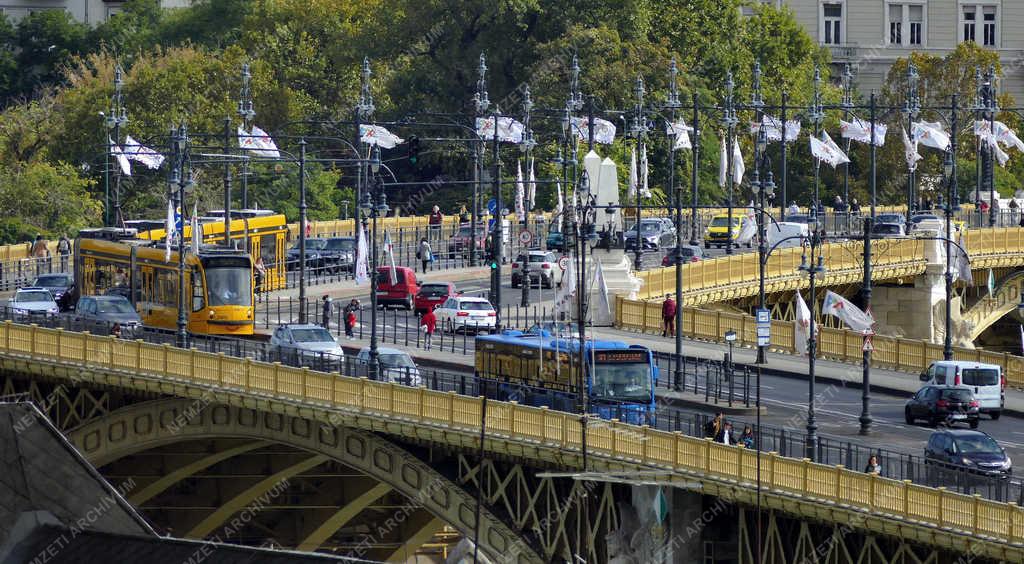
[229, 285]
[622, 381]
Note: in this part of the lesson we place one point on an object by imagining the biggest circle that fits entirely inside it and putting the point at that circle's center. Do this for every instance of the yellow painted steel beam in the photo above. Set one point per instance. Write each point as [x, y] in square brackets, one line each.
[416, 540]
[192, 468]
[342, 517]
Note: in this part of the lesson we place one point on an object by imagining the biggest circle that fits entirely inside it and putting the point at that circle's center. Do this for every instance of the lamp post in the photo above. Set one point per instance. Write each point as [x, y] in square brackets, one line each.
[952, 205]
[637, 130]
[760, 192]
[374, 204]
[247, 113]
[729, 120]
[672, 104]
[865, 289]
[526, 146]
[363, 112]
[814, 267]
[911, 109]
[730, 337]
[847, 103]
[988, 155]
[117, 117]
[694, 180]
[816, 114]
[480, 104]
[180, 182]
[302, 230]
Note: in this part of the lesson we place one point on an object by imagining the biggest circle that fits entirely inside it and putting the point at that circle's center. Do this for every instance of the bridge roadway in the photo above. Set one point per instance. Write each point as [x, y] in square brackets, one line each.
[315, 411]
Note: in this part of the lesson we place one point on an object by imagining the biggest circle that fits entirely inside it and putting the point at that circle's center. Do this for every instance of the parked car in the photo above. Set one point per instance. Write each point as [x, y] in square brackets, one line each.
[395, 365]
[338, 253]
[432, 295]
[305, 344]
[897, 218]
[402, 293]
[928, 225]
[691, 253]
[466, 239]
[555, 241]
[32, 303]
[58, 284]
[974, 450]
[887, 230]
[105, 315]
[938, 404]
[466, 313]
[720, 233]
[544, 269]
[655, 234]
[314, 259]
[985, 381]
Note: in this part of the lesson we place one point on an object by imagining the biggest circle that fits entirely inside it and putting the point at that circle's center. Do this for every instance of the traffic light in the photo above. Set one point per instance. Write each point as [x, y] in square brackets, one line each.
[414, 149]
[494, 265]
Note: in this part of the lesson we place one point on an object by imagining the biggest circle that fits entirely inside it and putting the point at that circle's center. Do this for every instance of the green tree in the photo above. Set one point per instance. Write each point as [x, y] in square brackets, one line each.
[40, 197]
[47, 40]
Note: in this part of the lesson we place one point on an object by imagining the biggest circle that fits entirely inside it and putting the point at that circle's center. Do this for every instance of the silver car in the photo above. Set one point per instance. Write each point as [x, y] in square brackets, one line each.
[544, 269]
[395, 365]
[108, 315]
[32, 303]
[305, 344]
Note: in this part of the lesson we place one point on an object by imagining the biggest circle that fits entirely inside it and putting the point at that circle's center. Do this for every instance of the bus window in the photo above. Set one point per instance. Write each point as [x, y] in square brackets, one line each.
[198, 295]
[621, 381]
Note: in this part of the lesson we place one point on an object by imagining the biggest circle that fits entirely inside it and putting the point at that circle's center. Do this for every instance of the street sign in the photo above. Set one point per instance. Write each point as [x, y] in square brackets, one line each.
[868, 347]
[563, 263]
[525, 237]
[764, 327]
[492, 205]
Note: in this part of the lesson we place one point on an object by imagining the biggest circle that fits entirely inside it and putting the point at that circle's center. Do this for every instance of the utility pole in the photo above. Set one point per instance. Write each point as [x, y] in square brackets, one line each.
[227, 184]
[672, 104]
[302, 230]
[637, 130]
[912, 108]
[729, 120]
[865, 289]
[363, 111]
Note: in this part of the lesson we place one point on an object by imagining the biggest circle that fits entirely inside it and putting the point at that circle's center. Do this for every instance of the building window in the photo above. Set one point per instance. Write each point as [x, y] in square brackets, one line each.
[832, 21]
[906, 23]
[978, 23]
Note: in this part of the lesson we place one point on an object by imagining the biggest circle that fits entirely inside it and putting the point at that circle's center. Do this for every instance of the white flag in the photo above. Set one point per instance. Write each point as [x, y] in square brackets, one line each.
[844, 309]
[645, 188]
[169, 230]
[266, 146]
[682, 133]
[389, 248]
[567, 291]
[140, 153]
[634, 181]
[930, 134]
[559, 206]
[802, 325]
[910, 151]
[723, 165]
[197, 230]
[982, 130]
[604, 130]
[122, 160]
[1007, 137]
[738, 167]
[860, 131]
[246, 141]
[362, 268]
[773, 127]
[748, 229]
[380, 136]
[520, 192]
[963, 263]
[826, 150]
[602, 289]
[531, 185]
[509, 130]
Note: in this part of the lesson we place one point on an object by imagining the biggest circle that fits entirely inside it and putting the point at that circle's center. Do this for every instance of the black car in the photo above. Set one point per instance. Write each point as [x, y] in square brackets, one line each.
[885, 230]
[58, 284]
[937, 404]
[314, 259]
[971, 450]
[691, 253]
[339, 253]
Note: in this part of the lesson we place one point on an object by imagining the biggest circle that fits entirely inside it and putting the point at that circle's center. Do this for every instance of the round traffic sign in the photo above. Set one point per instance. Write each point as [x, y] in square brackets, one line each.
[525, 236]
[563, 263]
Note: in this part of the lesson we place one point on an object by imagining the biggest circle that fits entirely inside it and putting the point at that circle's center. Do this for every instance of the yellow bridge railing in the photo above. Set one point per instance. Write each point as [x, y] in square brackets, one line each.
[812, 483]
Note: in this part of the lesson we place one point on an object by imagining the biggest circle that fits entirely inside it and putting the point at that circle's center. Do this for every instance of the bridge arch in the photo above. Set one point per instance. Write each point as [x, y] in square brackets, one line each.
[1004, 300]
[148, 425]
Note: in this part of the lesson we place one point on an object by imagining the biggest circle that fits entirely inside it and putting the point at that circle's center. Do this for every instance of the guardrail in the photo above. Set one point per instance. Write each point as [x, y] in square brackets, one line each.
[816, 484]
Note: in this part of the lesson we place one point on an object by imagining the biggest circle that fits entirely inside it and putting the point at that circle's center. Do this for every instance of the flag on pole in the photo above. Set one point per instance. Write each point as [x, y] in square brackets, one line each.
[802, 325]
[773, 127]
[963, 264]
[169, 229]
[380, 136]
[531, 186]
[1003, 134]
[723, 165]
[634, 181]
[910, 151]
[645, 188]
[509, 130]
[197, 230]
[604, 130]
[140, 153]
[682, 134]
[838, 306]
[567, 291]
[520, 207]
[362, 268]
[991, 283]
[737, 162]
[826, 150]
[122, 159]
[860, 131]
[602, 289]
[930, 134]
[265, 145]
[748, 228]
[389, 248]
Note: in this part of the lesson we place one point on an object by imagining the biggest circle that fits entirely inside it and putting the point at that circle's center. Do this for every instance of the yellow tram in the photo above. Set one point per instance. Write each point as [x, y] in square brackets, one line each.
[218, 281]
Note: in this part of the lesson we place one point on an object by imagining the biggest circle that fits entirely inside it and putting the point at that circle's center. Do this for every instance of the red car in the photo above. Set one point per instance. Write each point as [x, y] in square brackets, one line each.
[432, 295]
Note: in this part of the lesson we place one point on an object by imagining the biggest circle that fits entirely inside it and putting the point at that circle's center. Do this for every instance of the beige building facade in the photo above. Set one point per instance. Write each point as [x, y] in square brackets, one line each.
[872, 34]
[92, 12]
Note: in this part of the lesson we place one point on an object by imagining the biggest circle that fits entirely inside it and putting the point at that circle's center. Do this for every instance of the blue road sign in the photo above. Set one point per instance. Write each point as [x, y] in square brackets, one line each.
[492, 205]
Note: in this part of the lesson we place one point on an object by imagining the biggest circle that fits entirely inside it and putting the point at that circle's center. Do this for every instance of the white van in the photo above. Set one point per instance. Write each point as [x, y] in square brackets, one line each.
[780, 233]
[985, 380]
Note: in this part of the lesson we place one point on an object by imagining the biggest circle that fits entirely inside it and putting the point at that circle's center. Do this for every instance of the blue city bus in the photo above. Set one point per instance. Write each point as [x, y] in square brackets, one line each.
[539, 369]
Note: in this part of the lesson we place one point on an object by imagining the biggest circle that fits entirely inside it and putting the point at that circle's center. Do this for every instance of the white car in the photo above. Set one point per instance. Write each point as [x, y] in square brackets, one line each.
[32, 303]
[543, 268]
[463, 312]
[395, 365]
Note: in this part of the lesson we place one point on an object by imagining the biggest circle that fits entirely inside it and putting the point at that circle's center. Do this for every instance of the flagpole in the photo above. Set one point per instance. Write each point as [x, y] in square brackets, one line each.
[730, 124]
[865, 291]
[303, 222]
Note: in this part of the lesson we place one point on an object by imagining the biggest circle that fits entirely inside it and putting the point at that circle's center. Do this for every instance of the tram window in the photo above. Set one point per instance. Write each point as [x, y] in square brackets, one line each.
[268, 249]
[198, 295]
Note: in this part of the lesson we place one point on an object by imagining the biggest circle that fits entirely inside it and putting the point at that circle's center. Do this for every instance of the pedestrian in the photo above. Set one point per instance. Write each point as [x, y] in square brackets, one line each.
[350, 318]
[838, 205]
[326, 316]
[854, 206]
[436, 219]
[64, 250]
[424, 254]
[713, 427]
[428, 323]
[873, 467]
[793, 209]
[463, 214]
[668, 316]
[726, 437]
[260, 274]
[38, 252]
[747, 438]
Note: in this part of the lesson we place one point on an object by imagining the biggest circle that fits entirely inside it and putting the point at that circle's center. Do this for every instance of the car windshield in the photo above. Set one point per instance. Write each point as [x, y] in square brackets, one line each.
[962, 396]
[888, 218]
[396, 360]
[51, 281]
[312, 335]
[887, 229]
[229, 286]
[114, 306]
[434, 290]
[687, 251]
[311, 244]
[973, 444]
[620, 381]
[475, 306]
[980, 376]
[722, 221]
[25, 297]
[340, 245]
[919, 218]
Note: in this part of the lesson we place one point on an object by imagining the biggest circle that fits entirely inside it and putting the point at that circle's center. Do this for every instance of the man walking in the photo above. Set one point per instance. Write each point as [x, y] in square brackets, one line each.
[350, 318]
[326, 316]
[668, 317]
[64, 250]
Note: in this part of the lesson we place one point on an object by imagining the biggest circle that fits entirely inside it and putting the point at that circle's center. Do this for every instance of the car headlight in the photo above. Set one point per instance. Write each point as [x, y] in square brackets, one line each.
[1006, 463]
[967, 461]
[53, 309]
